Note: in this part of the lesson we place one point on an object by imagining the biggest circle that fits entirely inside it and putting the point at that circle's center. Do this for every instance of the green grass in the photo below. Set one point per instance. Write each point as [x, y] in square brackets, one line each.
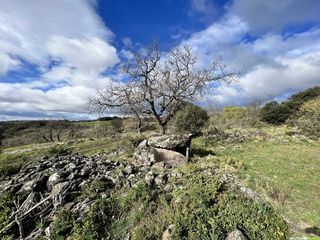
[13, 158]
[287, 174]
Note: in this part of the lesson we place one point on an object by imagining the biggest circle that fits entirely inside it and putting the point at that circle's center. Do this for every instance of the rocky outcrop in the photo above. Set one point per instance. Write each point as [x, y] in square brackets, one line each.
[163, 151]
[44, 186]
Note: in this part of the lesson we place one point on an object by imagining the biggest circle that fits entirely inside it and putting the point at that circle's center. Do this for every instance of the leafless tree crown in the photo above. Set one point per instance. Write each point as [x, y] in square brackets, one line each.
[158, 84]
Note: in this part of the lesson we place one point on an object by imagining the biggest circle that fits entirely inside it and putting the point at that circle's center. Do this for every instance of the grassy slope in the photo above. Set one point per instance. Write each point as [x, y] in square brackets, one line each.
[291, 170]
[286, 173]
[283, 171]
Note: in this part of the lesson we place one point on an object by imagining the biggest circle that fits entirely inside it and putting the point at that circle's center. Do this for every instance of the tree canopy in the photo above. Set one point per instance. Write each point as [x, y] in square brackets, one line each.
[158, 84]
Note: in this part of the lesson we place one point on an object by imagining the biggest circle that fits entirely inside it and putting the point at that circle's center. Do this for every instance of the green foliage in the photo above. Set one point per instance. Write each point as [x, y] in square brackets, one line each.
[298, 99]
[198, 208]
[190, 118]
[206, 211]
[279, 113]
[234, 112]
[275, 113]
[60, 150]
[309, 117]
[11, 163]
[63, 224]
[96, 223]
[5, 209]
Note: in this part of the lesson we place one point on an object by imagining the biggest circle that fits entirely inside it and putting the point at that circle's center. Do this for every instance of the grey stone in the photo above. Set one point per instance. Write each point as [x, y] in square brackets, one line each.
[54, 179]
[149, 178]
[170, 141]
[28, 186]
[58, 193]
[236, 235]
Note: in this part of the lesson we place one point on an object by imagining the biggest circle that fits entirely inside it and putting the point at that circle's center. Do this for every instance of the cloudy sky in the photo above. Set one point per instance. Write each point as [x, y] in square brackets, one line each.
[55, 54]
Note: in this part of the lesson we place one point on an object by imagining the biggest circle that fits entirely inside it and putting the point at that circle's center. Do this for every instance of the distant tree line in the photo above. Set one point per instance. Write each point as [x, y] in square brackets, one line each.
[279, 113]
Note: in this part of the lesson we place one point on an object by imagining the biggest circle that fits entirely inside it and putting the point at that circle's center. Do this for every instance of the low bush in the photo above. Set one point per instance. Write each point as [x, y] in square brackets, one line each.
[201, 208]
[11, 163]
[309, 117]
[60, 150]
[191, 119]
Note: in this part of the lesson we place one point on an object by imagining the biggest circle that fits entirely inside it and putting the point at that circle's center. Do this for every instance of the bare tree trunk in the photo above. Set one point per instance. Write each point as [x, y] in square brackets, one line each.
[162, 129]
[139, 123]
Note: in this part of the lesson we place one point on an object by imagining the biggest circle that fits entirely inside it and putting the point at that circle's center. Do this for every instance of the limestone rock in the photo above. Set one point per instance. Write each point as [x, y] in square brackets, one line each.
[170, 141]
[170, 158]
[163, 151]
[236, 235]
[167, 233]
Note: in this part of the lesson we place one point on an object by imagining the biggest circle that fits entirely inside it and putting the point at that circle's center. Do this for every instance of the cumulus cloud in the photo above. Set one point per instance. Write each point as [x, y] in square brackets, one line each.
[69, 45]
[274, 15]
[269, 65]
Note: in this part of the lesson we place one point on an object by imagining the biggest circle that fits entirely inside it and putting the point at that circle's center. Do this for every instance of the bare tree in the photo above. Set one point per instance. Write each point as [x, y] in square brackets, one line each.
[55, 129]
[159, 84]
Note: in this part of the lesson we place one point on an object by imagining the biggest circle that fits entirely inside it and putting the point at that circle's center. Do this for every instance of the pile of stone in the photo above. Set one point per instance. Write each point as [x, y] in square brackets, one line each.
[41, 187]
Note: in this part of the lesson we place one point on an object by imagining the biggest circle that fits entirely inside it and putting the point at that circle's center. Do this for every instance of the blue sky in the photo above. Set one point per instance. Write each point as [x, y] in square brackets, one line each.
[55, 54]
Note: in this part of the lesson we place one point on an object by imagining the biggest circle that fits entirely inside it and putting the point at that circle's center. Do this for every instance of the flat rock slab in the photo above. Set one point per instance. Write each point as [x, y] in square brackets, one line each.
[170, 141]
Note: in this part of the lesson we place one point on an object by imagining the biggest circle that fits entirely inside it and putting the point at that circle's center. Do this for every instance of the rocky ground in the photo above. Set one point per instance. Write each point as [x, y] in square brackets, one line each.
[75, 183]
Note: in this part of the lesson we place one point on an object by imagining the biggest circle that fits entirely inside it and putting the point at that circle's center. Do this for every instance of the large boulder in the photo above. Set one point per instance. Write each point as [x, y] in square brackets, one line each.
[170, 142]
[163, 151]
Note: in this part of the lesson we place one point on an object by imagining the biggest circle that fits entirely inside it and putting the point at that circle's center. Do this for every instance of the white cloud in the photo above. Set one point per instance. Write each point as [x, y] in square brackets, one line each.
[67, 42]
[7, 63]
[270, 65]
[87, 55]
[266, 82]
[273, 15]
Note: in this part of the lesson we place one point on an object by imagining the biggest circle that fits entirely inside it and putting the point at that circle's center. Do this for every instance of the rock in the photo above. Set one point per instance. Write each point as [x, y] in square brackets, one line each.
[28, 186]
[53, 180]
[168, 188]
[170, 158]
[58, 193]
[167, 233]
[158, 165]
[144, 154]
[234, 184]
[170, 141]
[161, 179]
[236, 235]
[84, 172]
[129, 169]
[30, 201]
[71, 167]
[163, 151]
[41, 184]
[149, 178]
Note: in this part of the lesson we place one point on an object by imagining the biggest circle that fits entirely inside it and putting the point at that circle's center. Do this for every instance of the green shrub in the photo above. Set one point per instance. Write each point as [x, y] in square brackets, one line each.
[190, 118]
[63, 224]
[278, 113]
[201, 208]
[275, 113]
[309, 117]
[60, 150]
[11, 163]
[96, 223]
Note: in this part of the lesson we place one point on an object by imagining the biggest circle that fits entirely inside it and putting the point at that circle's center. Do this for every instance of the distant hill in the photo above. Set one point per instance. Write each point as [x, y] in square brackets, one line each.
[278, 113]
